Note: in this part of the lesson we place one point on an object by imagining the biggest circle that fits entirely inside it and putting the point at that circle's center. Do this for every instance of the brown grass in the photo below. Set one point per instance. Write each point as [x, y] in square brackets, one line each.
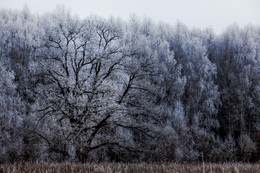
[128, 168]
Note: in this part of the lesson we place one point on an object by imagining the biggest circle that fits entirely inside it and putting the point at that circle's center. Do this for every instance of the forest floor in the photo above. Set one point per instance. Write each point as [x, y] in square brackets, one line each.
[128, 168]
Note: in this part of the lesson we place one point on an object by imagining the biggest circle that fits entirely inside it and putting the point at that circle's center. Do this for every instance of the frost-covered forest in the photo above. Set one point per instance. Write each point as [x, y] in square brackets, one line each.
[96, 89]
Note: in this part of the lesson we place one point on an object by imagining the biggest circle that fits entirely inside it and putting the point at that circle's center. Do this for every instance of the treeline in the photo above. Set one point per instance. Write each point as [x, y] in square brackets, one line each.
[98, 89]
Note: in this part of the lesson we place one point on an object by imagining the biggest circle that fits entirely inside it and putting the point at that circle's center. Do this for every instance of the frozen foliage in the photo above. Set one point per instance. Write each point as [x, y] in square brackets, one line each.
[99, 89]
[11, 116]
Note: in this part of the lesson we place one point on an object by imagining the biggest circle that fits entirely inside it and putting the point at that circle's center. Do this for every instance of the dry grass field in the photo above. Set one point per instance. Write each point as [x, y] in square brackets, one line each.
[128, 168]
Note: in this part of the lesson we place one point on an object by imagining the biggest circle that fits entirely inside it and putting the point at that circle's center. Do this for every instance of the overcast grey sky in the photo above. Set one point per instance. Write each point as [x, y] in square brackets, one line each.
[217, 14]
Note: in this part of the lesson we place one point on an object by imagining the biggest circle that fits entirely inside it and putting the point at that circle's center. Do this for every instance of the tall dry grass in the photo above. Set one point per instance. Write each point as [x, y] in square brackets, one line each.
[128, 168]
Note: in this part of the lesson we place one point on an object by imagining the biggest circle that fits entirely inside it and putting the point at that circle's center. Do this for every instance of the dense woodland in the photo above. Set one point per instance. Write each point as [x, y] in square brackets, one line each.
[101, 90]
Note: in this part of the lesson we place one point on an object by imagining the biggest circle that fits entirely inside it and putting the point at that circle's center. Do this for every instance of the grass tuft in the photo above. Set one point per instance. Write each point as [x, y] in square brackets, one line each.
[128, 168]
